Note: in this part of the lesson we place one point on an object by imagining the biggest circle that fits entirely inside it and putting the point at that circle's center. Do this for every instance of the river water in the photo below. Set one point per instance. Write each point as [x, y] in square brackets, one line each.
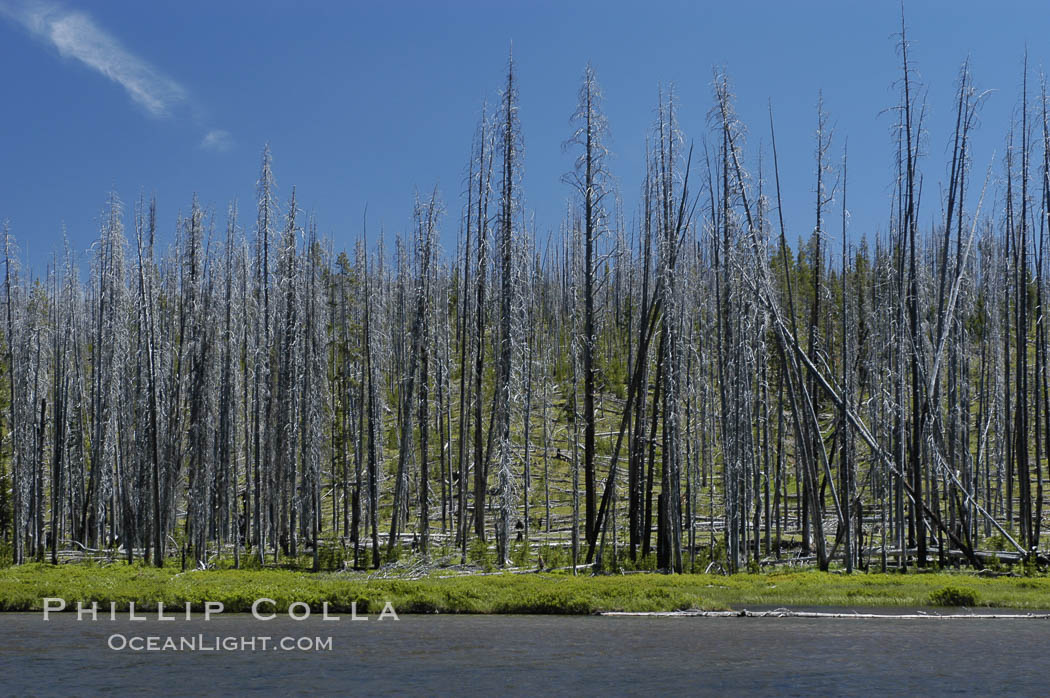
[525, 655]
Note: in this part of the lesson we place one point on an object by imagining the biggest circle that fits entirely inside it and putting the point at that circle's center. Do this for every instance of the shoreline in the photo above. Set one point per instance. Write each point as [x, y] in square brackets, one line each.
[928, 613]
[23, 588]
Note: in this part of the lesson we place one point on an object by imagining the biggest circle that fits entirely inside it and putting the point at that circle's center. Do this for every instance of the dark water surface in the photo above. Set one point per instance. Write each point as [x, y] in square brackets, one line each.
[533, 655]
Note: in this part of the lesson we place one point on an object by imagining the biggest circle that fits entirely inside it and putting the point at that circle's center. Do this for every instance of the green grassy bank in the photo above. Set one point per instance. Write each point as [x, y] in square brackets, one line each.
[23, 588]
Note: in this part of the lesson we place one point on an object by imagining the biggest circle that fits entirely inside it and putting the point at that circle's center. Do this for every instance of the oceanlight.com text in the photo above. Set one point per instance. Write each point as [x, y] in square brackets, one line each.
[217, 643]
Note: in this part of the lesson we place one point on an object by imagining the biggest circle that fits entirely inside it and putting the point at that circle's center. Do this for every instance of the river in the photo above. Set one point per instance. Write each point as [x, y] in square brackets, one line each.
[525, 655]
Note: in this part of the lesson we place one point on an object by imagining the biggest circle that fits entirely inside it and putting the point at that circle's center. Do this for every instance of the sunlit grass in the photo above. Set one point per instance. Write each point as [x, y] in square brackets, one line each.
[23, 588]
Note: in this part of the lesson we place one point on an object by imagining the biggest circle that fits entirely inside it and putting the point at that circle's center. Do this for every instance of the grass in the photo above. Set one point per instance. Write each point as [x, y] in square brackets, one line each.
[23, 588]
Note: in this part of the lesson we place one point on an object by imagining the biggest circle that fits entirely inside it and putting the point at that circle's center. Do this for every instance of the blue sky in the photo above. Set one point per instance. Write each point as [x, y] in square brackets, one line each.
[367, 102]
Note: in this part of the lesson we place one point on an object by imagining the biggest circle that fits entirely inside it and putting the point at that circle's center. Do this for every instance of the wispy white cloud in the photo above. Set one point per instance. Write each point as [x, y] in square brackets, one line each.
[218, 140]
[76, 35]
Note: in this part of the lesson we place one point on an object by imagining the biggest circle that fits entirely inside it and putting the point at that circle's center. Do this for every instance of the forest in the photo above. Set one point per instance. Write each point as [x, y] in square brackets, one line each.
[693, 388]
